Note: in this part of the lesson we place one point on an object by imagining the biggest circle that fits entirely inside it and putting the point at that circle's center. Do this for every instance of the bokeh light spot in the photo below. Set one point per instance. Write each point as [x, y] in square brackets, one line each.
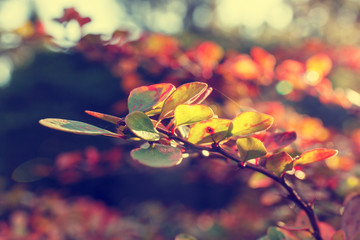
[352, 181]
[312, 78]
[13, 14]
[284, 87]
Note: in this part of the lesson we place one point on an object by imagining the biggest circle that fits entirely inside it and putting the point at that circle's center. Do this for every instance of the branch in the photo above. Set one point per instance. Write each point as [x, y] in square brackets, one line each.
[293, 195]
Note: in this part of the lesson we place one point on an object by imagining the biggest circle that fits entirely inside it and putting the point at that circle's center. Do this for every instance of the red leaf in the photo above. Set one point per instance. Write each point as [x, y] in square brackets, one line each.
[72, 14]
[276, 141]
[208, 55]
[266, 62]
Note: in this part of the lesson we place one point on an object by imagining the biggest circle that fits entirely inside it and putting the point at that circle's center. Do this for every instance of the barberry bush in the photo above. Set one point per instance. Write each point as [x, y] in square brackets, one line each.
[203, 110]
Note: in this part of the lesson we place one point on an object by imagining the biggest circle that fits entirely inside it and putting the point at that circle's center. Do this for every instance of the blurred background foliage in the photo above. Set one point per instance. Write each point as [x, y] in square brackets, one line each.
[52, 67]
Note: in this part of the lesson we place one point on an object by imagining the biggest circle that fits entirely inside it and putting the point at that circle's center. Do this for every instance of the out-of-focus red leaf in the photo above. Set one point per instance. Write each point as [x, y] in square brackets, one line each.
[350, 221]
[339, 235]
[266, 62]
[240, 66]
[208, 55]
[326, 230]
[315, 155]
[276, 141]
[68, 160]
[291, 71]
[72, 14]
[157, 45]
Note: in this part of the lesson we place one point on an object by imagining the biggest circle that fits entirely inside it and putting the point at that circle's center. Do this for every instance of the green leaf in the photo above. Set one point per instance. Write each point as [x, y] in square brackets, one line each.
[250, 122]
[279, 163]
[208, 131]
[141, 125]
[147, 98]
[274, 233]
[250, 148]
[104, 117]
[159, 156]
[315, 155]
[33, 170]
[189, 114]
[75, 127]
[185, 94]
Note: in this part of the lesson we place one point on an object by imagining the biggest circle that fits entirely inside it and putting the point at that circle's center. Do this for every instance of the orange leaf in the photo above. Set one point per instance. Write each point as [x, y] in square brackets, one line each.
[315, 155]
[209, 53]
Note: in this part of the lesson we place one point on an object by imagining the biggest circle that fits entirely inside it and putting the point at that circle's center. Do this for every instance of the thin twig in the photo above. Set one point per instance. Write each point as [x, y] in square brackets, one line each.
[293, 195]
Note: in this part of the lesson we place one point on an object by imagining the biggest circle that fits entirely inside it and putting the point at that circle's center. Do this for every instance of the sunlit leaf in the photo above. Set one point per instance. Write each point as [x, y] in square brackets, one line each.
[183, 236]
[279, 163]
[141, 125]
[315, 155]
[350, 221]
[208, 131]
[250, 122]
[33, 170]
[146, 98]
[158, 155]
[75, 127]
[104, 117]
[203, 96]
[188, 114]
[276, 141]
[250, 148]
[185, 94]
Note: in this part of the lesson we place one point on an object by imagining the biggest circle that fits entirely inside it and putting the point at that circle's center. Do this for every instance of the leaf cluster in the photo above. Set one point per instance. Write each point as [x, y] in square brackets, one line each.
[173, 121]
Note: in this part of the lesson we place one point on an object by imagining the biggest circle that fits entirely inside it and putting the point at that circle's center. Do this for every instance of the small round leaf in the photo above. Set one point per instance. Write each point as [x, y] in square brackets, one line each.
[185, 94]
[158, 156]
[208, 131]
[250, 148]
[250, 122]
[189, 114]
[141, 125]
[146, 98]
[279, 163]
